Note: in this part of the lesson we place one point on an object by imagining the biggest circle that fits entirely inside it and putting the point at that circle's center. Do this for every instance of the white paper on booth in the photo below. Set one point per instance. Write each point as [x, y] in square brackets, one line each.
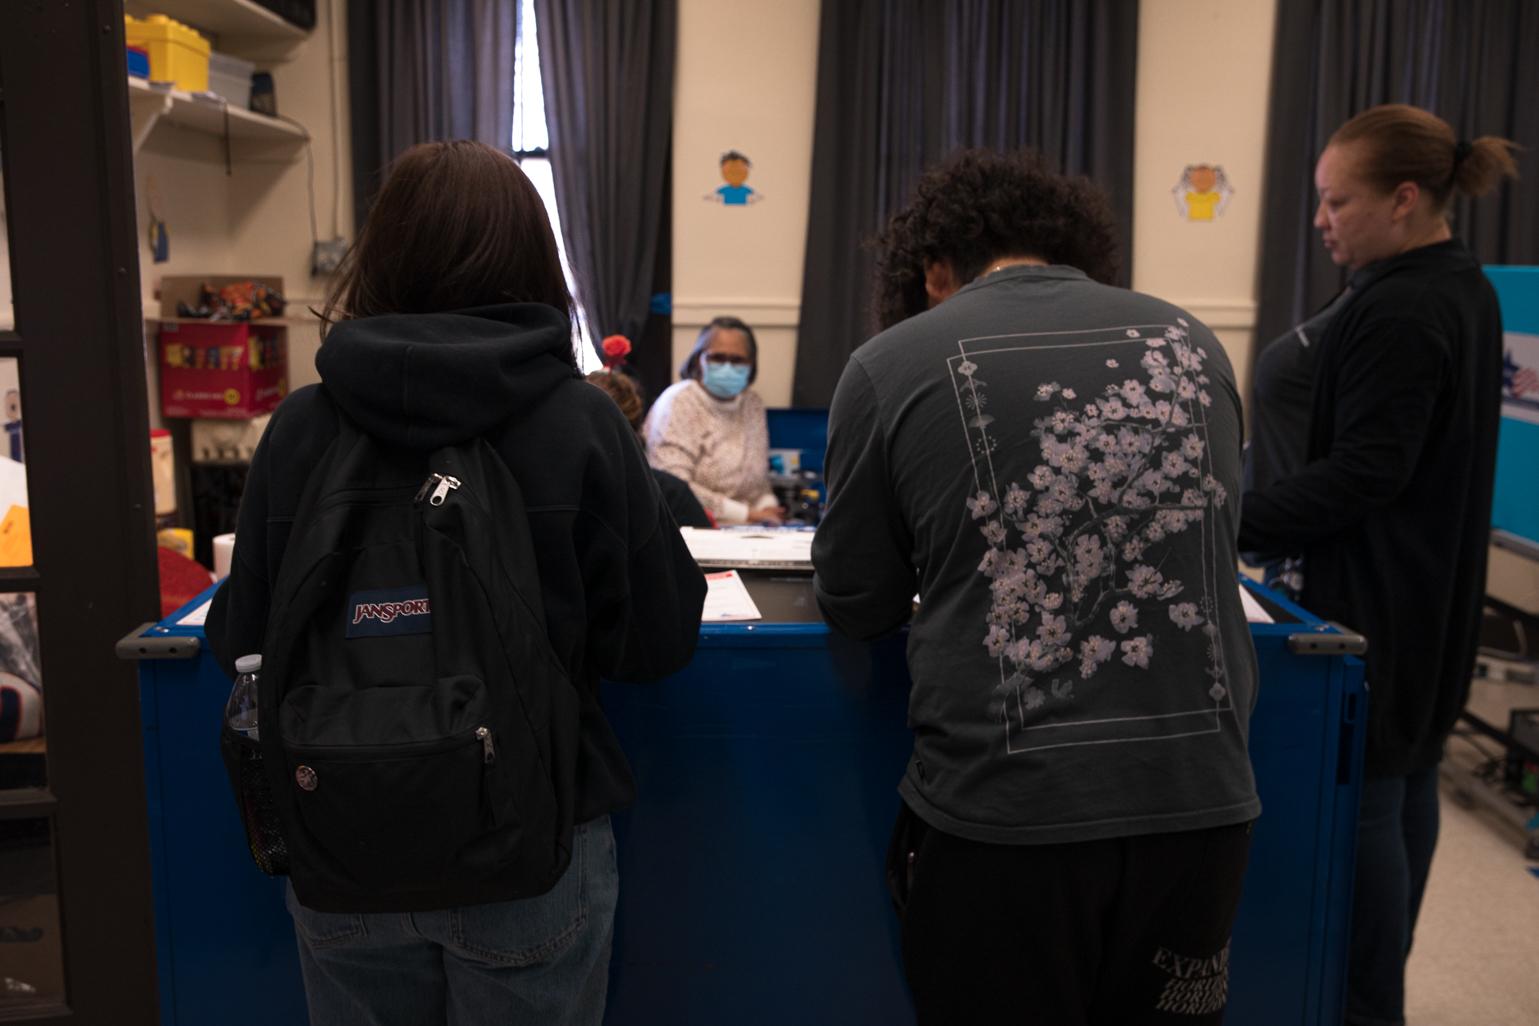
[727, 598]
[196, 617]
[755, 546]
[1255, 612]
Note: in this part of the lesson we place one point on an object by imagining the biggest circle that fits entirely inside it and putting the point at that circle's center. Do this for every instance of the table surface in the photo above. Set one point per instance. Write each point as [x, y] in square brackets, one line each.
[785, 596]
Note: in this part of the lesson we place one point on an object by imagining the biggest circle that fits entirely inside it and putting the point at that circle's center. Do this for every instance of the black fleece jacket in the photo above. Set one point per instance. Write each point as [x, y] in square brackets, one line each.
[1392, 511]
[622, 594]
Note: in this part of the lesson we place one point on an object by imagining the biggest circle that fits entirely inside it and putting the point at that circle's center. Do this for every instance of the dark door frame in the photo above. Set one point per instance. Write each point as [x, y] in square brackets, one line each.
[64, 134]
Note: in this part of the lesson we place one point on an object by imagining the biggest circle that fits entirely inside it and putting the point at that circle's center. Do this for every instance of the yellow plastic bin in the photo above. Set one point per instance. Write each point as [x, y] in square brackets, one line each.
[178, 54]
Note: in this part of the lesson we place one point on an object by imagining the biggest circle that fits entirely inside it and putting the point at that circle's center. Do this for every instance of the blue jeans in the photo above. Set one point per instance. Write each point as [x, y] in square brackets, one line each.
[1396, 833]
[542, 960]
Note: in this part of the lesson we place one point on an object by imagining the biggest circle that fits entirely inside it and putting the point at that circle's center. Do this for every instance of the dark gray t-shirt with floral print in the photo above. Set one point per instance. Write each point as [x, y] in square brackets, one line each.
[1054, 466]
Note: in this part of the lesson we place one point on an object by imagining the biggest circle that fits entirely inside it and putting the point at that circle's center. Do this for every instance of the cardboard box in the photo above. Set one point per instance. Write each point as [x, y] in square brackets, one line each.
[230, 370]
[221, 369]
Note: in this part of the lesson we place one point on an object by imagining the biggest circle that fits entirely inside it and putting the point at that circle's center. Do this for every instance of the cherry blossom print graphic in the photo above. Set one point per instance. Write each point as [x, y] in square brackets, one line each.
[1094, 504]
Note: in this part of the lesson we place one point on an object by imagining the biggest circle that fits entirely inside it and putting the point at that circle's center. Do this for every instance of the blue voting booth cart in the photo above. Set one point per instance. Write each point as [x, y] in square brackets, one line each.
[751, 865]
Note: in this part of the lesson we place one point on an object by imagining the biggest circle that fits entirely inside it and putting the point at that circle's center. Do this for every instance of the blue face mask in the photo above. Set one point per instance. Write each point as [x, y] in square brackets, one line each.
[723, 380]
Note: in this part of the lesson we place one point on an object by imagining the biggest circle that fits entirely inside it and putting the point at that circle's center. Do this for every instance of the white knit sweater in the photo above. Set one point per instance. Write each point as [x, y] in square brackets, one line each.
[720, 447]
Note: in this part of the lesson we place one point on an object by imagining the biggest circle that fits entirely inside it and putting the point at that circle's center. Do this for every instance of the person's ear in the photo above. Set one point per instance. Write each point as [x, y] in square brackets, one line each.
[1405, 197]
[940, 281]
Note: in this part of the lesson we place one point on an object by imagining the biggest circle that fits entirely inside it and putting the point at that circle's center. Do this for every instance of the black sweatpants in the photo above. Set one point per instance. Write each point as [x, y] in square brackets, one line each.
[1130, 931]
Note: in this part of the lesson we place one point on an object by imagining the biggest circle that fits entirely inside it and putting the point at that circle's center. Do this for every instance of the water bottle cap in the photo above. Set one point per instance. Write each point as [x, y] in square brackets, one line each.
[249, 663]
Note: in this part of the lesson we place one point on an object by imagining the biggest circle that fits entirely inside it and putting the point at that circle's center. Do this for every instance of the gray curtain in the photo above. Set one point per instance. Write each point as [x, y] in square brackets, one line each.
[902, 83]
[1471, 62]
[608, 70]
[421, 70]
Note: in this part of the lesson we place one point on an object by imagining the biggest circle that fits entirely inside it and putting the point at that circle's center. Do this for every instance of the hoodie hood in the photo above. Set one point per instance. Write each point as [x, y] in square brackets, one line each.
[423, 381]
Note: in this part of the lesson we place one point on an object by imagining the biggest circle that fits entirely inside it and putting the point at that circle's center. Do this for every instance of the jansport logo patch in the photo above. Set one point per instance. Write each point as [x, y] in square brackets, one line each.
[385, 612]
[389, 611]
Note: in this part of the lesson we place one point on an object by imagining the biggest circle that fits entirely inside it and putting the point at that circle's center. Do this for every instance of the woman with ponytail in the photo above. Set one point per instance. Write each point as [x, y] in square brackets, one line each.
[1388, 503]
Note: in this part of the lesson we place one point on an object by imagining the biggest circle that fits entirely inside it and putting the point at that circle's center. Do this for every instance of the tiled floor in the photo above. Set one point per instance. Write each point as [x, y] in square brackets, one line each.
[1476, 959]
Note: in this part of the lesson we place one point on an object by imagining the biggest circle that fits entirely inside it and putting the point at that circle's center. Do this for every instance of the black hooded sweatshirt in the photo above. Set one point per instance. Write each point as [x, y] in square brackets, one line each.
[1392, 509]
[622, 594]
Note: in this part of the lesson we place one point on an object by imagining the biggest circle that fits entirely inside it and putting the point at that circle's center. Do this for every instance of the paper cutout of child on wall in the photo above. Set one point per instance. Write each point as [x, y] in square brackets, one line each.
[734, 171]
[1202, 192]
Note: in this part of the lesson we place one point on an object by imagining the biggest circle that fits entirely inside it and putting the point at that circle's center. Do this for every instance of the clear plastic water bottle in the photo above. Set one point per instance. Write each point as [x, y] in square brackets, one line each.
[240, 712]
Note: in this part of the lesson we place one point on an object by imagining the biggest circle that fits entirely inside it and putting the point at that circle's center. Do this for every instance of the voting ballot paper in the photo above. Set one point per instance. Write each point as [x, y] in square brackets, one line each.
[726, 598]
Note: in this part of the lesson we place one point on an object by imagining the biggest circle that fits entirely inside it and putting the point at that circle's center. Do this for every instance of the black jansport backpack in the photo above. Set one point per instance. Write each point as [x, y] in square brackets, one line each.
[418, 735]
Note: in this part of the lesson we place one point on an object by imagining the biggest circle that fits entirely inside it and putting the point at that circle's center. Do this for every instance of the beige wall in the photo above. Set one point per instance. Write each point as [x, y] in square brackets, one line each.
[269, 208]
[255, 220]
[747, 78]
[1204, 68]
[7, 312]
[1196, 103]
[185, 169]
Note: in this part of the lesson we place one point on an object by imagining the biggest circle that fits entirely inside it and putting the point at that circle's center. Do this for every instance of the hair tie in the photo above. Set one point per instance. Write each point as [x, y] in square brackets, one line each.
[616, 348]
[1462, 149]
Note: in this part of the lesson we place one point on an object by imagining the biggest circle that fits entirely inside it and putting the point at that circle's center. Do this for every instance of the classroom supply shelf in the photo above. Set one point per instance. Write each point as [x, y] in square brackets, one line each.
[307, 320]
[251, 23]
[150, 106]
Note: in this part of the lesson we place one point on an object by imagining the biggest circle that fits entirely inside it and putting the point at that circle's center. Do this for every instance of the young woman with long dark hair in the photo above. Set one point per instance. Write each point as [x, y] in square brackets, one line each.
[451, 321]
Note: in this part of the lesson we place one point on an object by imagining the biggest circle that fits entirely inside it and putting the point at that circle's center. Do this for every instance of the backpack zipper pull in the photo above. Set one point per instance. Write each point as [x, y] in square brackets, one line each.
[427, 486]
[488, 753]
[446, 484]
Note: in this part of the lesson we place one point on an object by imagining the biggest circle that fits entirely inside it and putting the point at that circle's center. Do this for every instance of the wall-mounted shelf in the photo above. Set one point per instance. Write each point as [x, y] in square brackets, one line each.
[308, 320]
[237, 23]
[150, 105]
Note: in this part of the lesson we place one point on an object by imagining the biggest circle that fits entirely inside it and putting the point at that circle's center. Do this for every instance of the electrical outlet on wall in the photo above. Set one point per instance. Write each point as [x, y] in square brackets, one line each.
[328, 255]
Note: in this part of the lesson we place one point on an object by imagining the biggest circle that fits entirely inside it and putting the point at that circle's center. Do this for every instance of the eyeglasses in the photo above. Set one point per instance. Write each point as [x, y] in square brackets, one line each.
[721, 359]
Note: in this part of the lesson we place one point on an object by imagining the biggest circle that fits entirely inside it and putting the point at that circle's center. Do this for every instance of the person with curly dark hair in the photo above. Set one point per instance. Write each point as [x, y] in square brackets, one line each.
[989, 203]
[1051, 463]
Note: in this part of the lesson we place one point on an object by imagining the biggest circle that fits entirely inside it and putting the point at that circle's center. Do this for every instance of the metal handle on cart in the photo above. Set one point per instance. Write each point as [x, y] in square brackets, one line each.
[1328, 639]
[144, 643]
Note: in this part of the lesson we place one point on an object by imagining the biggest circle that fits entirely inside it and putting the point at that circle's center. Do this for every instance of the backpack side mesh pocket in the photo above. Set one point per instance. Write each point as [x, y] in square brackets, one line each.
[253, 791]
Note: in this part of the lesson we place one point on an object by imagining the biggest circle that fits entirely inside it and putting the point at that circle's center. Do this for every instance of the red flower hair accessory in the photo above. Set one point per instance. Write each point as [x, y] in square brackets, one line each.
[616, 348]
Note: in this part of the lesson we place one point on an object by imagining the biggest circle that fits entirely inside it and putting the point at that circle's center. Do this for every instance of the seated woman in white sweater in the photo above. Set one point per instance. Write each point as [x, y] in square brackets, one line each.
[709, 428]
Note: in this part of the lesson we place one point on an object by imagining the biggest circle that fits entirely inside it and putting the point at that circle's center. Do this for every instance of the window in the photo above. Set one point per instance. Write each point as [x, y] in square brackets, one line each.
[531, 146]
